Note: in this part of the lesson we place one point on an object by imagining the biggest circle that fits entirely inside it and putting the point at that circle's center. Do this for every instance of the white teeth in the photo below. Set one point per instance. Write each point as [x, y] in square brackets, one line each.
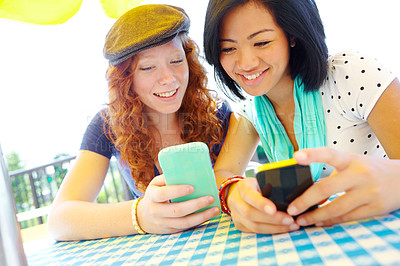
[254, 76]
[165, 94]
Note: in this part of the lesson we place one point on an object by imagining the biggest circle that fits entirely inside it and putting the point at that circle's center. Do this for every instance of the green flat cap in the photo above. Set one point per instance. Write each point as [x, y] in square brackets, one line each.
[143, 27]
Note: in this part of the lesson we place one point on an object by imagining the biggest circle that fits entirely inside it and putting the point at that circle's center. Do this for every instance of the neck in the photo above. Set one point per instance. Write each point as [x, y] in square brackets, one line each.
[166, 124]
[166, 129]
[281, 97]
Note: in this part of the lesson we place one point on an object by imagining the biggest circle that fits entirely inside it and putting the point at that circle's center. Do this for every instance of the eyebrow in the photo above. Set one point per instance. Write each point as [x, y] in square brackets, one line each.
[249, 37]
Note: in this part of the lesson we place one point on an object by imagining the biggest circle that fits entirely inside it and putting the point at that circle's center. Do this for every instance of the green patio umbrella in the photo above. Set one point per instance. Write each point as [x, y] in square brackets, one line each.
[52, 12]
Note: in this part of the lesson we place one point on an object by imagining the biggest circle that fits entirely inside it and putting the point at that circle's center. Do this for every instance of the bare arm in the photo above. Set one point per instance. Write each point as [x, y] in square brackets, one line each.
[250, 211]
[239, 146]
[385, 119]
[371, 184]
[75, 216]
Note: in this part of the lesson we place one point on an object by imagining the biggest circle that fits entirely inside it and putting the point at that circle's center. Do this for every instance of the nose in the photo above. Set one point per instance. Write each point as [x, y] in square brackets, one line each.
[247, 59]
[166, 75]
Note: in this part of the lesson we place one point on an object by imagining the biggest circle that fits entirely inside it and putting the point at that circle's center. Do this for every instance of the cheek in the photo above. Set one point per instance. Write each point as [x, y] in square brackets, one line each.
[282, 55]
[226, 64]
[140, 86]
[184, 74]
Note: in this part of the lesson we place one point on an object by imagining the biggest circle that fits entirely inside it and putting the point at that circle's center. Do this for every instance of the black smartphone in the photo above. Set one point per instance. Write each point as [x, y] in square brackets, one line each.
[284, 181]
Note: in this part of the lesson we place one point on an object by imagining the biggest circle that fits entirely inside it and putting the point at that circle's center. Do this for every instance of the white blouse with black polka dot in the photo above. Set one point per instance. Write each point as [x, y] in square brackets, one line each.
[353, 86]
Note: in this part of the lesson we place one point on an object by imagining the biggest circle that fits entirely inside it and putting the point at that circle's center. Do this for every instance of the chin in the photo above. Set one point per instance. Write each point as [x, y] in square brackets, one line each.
[254, 93]
[171, 110]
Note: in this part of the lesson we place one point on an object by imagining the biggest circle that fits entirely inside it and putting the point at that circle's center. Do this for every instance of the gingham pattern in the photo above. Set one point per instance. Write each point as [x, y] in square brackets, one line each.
[370, 242]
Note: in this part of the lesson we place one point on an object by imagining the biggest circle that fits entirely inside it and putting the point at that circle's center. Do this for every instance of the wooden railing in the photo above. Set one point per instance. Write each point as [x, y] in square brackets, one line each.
[35, 188]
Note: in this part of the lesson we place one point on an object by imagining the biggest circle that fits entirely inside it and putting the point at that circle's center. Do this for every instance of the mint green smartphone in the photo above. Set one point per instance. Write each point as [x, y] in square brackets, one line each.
[190, 164]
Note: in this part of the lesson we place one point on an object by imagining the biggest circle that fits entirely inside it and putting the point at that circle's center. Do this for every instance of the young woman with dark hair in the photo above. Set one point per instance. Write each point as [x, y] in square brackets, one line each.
[338, 113]
[158, 97]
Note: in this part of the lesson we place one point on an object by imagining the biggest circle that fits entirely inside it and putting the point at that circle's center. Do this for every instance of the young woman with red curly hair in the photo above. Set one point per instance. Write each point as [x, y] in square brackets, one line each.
[157, 98]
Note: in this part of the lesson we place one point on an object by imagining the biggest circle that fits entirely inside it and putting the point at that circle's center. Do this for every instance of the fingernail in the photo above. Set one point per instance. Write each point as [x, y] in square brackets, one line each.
[293, 227]
[292, 210]
[300, 155]
[269, 210]
[215, 210]
[287, 221]
[190, 189]
[301, 221]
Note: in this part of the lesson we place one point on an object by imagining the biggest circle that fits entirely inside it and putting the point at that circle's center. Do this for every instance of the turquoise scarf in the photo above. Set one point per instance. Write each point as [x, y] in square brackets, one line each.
[309, 126]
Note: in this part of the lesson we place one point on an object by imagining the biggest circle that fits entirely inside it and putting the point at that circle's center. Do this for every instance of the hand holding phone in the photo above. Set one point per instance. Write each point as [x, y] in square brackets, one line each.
[190, 164]
[284, 181]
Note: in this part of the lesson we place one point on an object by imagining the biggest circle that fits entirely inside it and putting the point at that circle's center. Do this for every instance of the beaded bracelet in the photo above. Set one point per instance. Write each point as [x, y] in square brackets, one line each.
[134, 216]
[222, 190]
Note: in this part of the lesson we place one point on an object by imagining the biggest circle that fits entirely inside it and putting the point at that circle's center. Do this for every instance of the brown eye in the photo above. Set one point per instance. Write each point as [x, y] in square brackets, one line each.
[261, 44]
[227, 50]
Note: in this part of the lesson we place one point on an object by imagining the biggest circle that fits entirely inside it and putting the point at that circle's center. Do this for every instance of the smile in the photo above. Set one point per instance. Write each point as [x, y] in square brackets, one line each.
[166, 94]
[254, 76]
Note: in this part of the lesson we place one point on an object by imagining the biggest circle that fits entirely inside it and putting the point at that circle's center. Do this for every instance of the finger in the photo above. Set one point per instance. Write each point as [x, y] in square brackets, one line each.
[360, 213]
[180, 209]
[322, 202]
[167, 193]
[320, 191]
[249, 192]
[248, 204]
[241, 210]
[337, 159]
[244, 212]
[190, 221]
[158, 181]
[336, 208]
[248, 226]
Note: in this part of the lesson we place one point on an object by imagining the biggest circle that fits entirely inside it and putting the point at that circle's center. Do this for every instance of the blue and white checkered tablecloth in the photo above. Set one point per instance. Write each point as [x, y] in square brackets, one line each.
[218, 242]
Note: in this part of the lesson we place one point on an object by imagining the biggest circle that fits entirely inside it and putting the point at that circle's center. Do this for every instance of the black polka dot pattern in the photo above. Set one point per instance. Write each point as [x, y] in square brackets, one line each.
[353, 85]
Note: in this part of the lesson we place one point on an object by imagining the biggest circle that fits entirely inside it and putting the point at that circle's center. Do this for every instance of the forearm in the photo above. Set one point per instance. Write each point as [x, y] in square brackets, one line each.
[239, 146]
[221, 175]
[78, 220]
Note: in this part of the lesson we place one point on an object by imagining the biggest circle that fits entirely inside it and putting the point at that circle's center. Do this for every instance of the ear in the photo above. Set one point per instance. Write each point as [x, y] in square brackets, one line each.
[292, 42]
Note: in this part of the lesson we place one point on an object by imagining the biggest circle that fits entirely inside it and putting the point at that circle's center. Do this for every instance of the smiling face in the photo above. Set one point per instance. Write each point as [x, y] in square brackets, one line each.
[161, 77]
[254, 50]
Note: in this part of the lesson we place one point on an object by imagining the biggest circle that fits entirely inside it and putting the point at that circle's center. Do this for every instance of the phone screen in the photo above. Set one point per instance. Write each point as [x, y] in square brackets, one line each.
[190, 163]
[282, 185]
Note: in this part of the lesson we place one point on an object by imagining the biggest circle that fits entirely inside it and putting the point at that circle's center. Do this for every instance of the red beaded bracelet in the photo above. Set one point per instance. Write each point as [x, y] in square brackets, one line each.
[221, 192]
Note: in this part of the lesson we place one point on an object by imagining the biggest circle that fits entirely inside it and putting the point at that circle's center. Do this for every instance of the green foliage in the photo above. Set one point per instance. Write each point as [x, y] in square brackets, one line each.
[60, 172]
[112, 190]
[13, 161]
[47, 183]
[60, 155]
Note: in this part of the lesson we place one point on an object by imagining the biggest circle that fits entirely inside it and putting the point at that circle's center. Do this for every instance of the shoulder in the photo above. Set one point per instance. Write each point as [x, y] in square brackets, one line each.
[223, 105]
[98, 118]
[95, 138]
[223, 109]
[350, 67]
[354, 83]
[246, 108]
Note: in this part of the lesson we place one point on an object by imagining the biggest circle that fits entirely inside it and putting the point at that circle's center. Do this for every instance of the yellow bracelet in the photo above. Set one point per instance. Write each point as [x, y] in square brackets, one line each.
[134, 216]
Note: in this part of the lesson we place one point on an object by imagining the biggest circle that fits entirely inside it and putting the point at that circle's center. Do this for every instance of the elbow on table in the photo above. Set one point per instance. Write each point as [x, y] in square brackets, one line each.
[59, 225]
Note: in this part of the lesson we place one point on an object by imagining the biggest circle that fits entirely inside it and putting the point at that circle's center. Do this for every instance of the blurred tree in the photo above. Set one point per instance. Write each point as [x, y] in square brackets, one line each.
[13, 161]
[60, 155]
[60, 171]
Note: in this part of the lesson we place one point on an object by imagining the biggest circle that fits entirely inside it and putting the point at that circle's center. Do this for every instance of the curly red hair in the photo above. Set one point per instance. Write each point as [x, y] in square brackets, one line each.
[129, 128]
